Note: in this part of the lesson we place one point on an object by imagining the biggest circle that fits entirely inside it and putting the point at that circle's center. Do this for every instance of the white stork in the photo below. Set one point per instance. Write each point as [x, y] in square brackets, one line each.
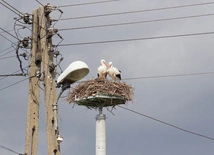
[102, 70]
[113, 72]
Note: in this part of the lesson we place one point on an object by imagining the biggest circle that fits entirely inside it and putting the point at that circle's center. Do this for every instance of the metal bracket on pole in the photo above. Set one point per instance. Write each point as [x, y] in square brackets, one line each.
[55, 110]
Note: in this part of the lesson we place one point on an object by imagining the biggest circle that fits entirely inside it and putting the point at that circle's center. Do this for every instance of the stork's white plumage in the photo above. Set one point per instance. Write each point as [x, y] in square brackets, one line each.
[102, 70]
[113, 72]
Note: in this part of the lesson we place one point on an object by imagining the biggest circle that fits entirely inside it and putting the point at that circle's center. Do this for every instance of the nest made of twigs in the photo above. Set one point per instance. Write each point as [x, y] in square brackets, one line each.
[90, 88]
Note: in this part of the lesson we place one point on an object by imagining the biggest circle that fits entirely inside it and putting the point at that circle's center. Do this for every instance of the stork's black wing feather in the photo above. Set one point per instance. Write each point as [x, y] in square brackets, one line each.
[118, 76]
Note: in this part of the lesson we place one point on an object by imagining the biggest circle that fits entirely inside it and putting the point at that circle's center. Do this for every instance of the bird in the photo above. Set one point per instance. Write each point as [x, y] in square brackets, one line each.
[102, 70]
[113, 72]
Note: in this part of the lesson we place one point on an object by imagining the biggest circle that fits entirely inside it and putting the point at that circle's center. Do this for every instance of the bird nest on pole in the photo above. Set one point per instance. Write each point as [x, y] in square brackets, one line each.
[101, 93]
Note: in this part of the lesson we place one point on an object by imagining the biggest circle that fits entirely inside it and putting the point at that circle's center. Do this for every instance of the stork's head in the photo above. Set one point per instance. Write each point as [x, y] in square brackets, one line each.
[110, 64]
[103, 62]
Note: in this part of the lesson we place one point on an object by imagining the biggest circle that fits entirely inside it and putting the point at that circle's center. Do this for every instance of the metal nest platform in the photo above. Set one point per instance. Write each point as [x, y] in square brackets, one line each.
[101, 99]
[101, 92]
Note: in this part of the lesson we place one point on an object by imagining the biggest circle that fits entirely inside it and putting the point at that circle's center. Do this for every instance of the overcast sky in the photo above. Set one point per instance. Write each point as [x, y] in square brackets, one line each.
[184, 101]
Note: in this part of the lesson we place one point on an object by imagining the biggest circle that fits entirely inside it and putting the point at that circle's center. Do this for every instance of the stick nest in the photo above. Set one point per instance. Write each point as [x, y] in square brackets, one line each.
[92, 87]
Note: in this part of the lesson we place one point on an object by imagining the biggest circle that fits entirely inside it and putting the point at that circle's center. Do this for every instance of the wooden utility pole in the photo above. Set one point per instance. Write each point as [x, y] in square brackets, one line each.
[49, 82]
[31, 142]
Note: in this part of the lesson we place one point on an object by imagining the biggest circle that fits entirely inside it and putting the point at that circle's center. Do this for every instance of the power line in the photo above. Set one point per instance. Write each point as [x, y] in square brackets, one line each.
[136, 39]
[7, 53]
[6, 38]
[135, 22]
[3, 147]
[20, 74]
[15, 13]
[13, 84]
[165, 76]
[6, 49]
[13, 7]
[12, 74]
[10, 9]
[17, 54]
[89, 3]
[194, 133]
[15, 29]
[9, 33]
[137, 11]
[7, 58]
[162, 76]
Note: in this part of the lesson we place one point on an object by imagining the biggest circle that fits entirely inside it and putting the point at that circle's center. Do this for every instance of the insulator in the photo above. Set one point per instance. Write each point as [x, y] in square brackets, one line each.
[23, 54]
[59, 139]
[49, 8]
[51, 51]
[51, 67]
[51, 32]
[26, 18]
[56, 53]
[38, 74]
[25, 42]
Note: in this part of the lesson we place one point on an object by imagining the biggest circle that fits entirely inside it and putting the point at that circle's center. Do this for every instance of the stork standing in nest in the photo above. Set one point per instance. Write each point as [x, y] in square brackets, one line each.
[113, 72]
[102, 70]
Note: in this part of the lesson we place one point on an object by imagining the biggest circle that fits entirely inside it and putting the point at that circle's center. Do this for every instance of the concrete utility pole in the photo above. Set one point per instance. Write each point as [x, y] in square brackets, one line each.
[49, 82]
[42, 55]
[31, 142]
[101, 133]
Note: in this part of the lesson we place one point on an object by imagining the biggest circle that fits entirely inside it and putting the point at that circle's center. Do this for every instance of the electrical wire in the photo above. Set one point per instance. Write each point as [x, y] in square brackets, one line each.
[35, 57]
[1, 89]
[12, 74]
[19, 33]
[58, 19]
[28, 27]
[13, 7]
[17, 54]
[3, 147]
[162, 76]
[137, 39]
[16, 12]
[6, 75]
[10, 9]
[7, 57]
[6, 38]
[179, 128]
[14, 27]
[137, 11]
[39, 2]
[89, 3]
[7, 53]
[135, 22]
[39, 85]
[9, 33]
[6, 49]
[18, 46]
[165, 76]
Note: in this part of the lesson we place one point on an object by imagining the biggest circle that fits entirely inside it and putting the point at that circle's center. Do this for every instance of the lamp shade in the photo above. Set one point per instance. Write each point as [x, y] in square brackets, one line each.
[74, 72]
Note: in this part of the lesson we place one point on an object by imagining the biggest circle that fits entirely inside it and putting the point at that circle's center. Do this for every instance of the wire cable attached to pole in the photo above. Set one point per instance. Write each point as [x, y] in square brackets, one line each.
[3, 147]
[137, 39]
[89, 3]
[138, 11]
[136, 22]
[157, 120]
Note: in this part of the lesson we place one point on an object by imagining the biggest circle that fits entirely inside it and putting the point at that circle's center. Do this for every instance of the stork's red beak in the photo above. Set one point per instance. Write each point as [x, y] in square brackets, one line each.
[106, 64]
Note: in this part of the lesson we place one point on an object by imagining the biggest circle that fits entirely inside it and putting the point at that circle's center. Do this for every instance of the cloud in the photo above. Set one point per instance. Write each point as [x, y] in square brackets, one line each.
[183, 101]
